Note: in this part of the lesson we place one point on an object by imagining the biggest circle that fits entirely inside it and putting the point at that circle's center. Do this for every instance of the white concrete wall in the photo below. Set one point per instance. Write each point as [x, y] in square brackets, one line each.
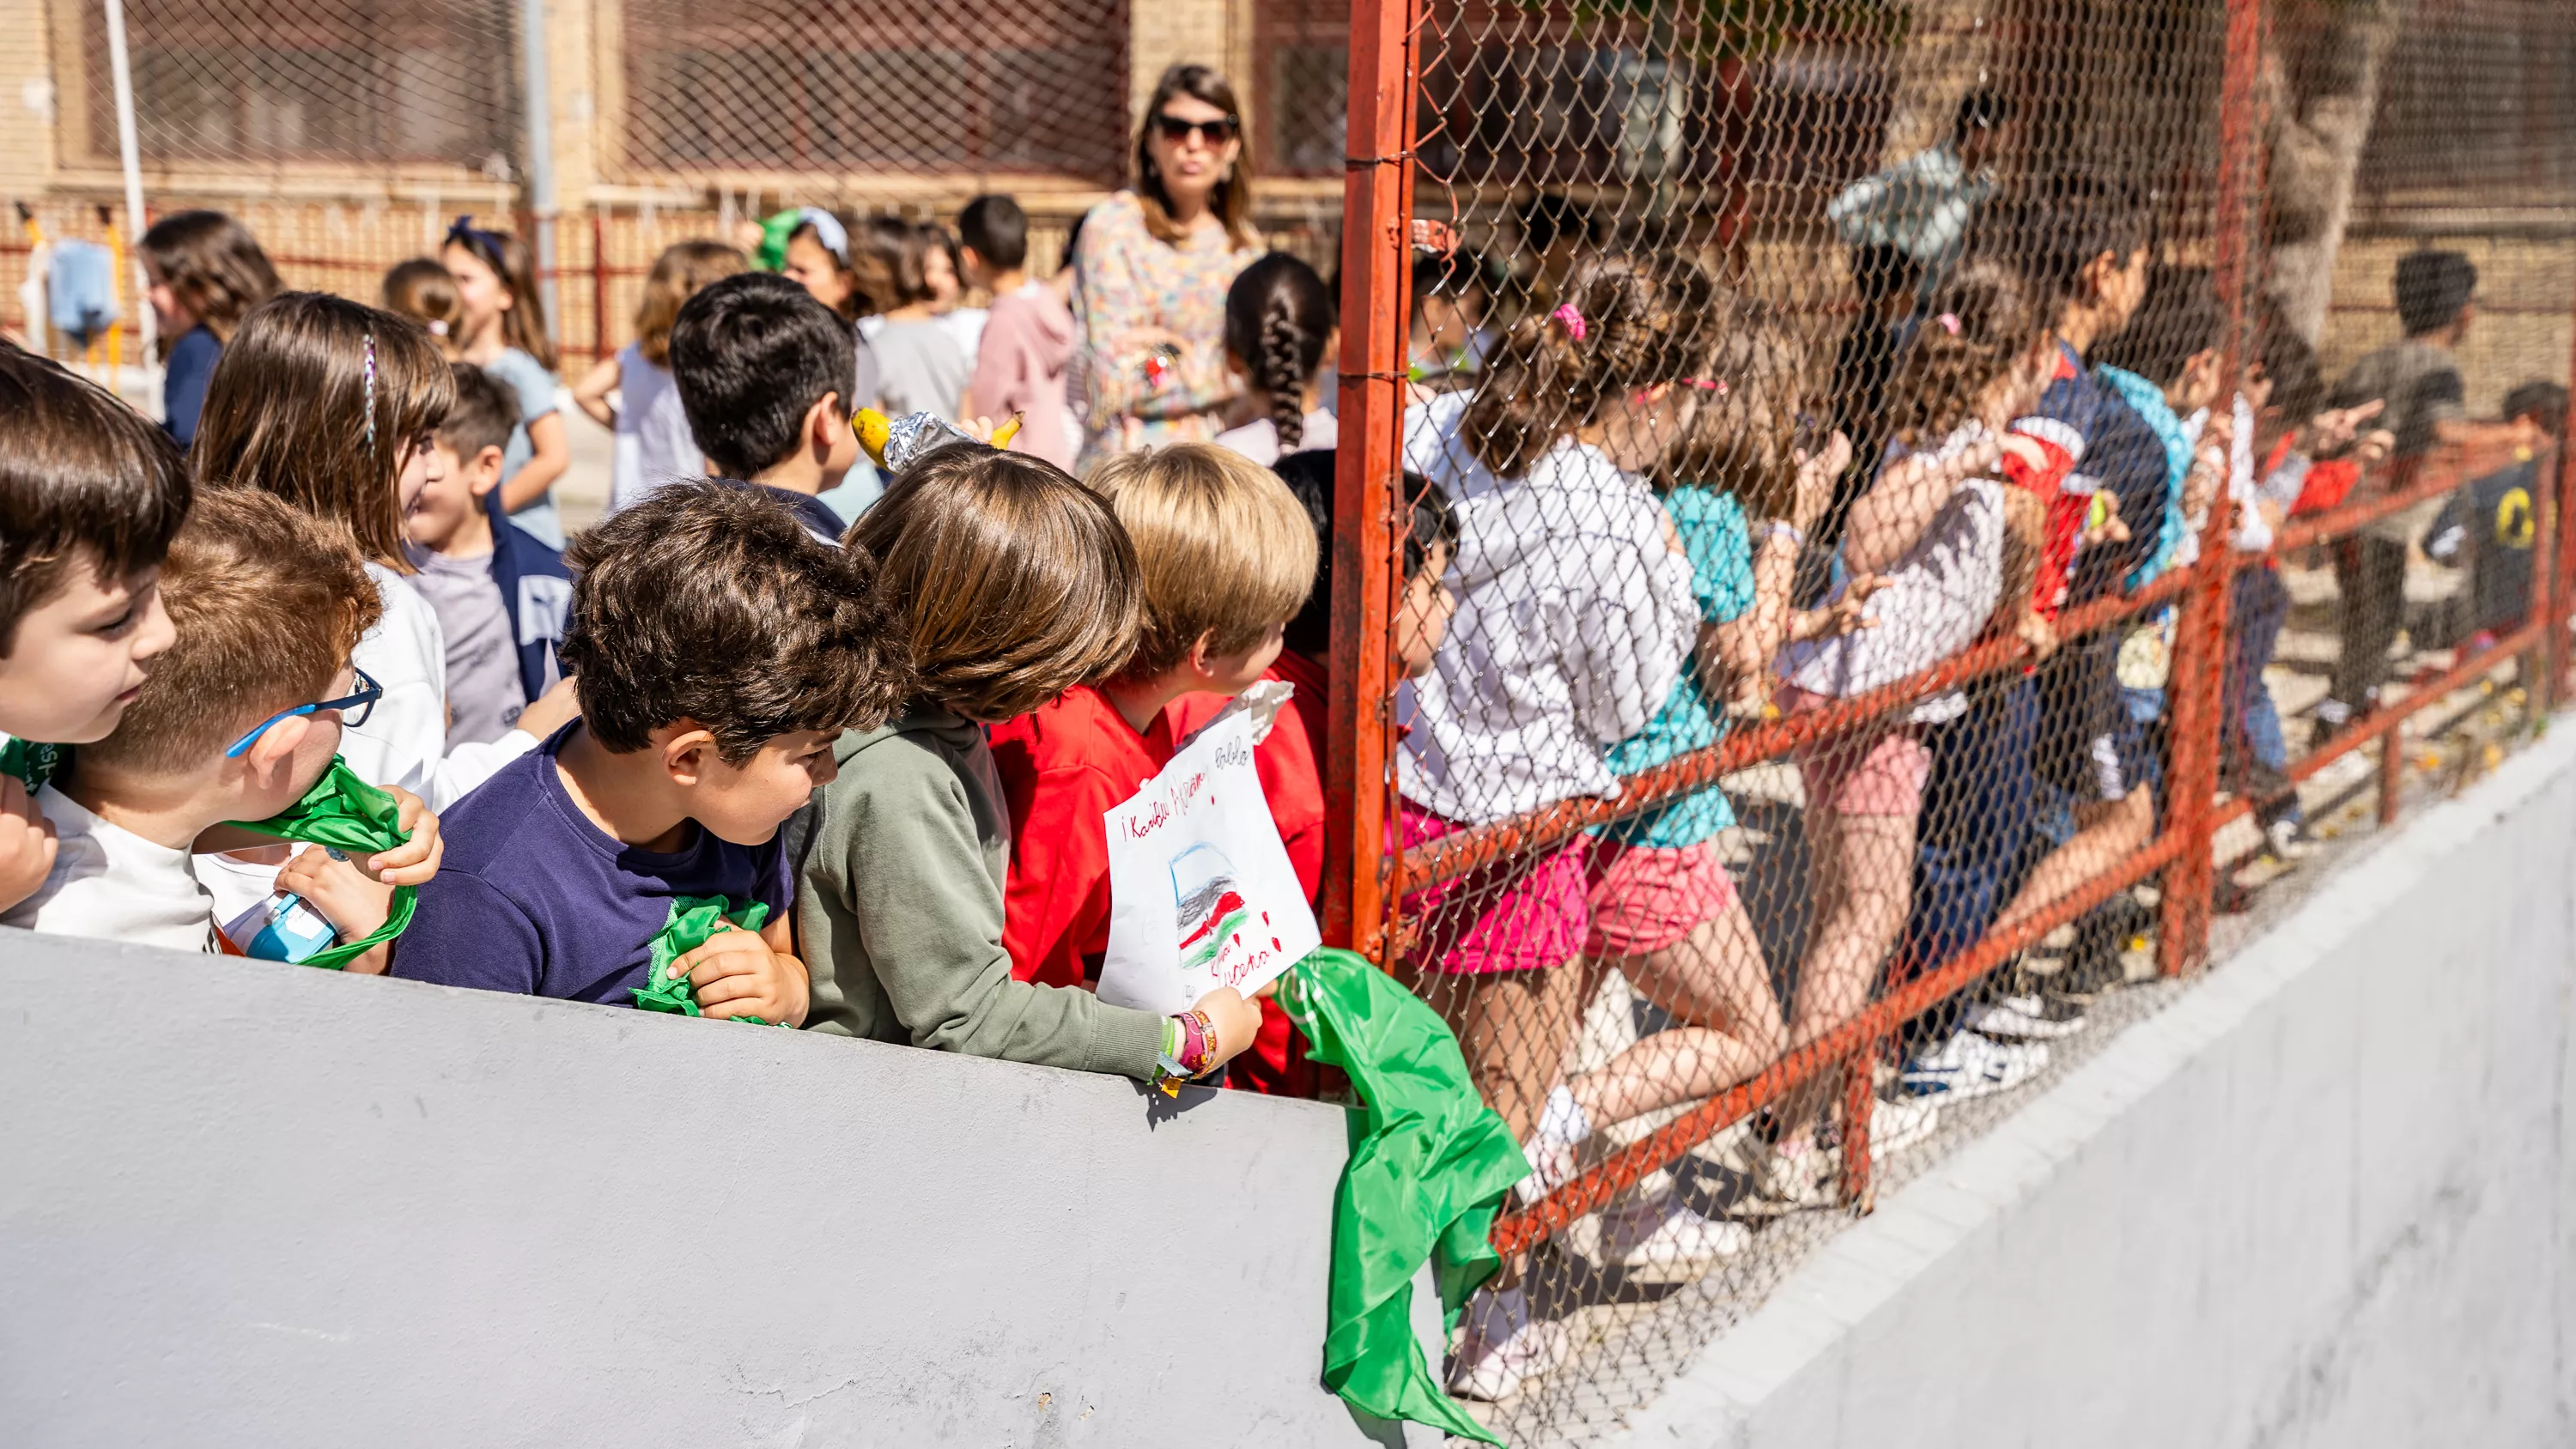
[2326, 1200]
[257, 1205]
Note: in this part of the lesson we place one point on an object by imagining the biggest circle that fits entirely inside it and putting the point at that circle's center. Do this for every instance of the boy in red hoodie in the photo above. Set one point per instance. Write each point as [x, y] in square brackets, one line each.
[1226, 555]
[1291, 760]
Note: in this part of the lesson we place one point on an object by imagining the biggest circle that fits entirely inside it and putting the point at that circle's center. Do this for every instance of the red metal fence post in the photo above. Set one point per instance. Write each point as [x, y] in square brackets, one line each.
[2559, 583]
[1377, 203]
[2198, 677]
[598, 286]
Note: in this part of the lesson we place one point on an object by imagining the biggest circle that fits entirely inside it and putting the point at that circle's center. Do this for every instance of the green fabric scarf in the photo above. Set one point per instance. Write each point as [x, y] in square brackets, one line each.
[1428, 1172]
[346, 813]
[693, 923]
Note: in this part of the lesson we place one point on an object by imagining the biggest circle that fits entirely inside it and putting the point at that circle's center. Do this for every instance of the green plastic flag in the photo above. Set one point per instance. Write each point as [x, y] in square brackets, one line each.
[1429, 1170]
[346, 813]
[693, 922]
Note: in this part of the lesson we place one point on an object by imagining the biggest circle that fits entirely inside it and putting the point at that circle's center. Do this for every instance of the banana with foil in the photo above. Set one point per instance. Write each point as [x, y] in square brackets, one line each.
[892, 443]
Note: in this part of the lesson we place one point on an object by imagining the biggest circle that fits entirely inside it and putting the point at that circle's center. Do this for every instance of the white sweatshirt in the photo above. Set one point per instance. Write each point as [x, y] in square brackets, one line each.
[1574, 616]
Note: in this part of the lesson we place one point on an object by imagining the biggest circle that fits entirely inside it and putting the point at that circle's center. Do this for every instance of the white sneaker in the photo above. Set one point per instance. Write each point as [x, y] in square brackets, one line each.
[1657, 1235]
[2288, 842]
[1895, 1126]
[1502, 1347]
[1800, 1180]
[2029, 1018]
[1969, 1065]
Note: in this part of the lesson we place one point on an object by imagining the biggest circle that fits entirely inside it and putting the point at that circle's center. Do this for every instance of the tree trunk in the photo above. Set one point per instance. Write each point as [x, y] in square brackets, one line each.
[2321, 89]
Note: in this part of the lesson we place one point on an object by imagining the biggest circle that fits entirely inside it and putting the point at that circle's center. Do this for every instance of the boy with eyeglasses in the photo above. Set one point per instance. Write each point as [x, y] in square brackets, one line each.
[240, 717]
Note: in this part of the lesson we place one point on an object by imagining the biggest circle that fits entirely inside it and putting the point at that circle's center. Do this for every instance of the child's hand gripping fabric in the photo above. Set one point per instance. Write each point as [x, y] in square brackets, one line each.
[711, 960]
[389, 836]
[355, 905]
[27, 843]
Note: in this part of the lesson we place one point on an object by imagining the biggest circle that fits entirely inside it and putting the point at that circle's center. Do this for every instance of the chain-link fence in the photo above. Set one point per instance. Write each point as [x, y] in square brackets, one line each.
[1956, 506]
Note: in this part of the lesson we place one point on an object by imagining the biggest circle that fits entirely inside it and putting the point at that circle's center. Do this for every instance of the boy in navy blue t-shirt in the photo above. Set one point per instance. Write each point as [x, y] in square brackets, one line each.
[718, 649]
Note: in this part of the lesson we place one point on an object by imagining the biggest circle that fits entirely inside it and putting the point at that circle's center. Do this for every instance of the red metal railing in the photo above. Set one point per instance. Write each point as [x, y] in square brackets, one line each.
[1364, 882]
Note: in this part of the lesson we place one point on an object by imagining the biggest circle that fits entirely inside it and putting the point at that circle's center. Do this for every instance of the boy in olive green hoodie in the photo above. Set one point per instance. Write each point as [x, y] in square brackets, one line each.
[1016, 583]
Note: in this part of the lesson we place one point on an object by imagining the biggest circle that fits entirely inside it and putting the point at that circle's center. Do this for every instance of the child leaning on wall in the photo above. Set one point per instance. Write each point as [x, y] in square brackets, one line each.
[1225, 557]
[90, 495]
[208, 741]
[1010, 584]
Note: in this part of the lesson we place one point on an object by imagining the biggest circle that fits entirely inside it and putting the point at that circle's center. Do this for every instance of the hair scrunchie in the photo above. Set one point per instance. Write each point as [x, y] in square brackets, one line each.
[1572, 317]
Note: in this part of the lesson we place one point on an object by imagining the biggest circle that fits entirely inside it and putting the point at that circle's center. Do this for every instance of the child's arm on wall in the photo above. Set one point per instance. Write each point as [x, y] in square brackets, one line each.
[907, 865]
[591, 393]
[552, 454]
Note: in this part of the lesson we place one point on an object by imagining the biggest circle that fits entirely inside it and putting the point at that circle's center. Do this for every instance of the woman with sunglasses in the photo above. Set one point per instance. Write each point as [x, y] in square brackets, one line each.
[1152, 267]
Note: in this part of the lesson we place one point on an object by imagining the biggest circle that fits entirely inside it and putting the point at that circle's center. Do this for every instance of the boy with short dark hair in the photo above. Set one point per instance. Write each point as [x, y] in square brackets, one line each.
[238, 720]
[1028, 338]
[2427, 408]
[500, 593]
[717, 650]
[90, 495]
[1226, 556]
[763, 371]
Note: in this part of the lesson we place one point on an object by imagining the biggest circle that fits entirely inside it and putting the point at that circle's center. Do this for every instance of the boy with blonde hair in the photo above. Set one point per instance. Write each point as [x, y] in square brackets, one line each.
[1226, 555]
[240, 717]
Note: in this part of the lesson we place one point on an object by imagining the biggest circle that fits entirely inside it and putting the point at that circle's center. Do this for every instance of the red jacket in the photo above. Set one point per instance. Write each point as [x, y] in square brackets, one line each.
[1063, 766]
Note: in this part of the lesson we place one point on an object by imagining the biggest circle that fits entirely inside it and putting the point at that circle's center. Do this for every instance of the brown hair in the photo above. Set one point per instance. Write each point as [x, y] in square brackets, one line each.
[886, 253]
[1232, 199]
[1749, 392]
[1014, 582]
[267, 604]
[523, 326]
[80, 472]
[483, 415]
[318, 400]
[710, 602]
[421, 290]
[1223, 548]
[677, 275]
[1981, 322]
[213, 266]
[1622, 324]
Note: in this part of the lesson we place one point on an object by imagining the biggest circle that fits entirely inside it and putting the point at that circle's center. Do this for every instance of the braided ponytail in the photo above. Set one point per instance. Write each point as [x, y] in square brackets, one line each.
[1278, 315]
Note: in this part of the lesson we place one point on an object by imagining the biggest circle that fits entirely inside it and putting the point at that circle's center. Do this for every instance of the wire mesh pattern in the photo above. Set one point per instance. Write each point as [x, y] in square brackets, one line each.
[1956, 508]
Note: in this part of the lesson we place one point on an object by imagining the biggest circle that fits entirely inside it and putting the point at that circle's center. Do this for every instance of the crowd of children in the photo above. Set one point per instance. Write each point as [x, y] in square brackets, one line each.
[786, 741]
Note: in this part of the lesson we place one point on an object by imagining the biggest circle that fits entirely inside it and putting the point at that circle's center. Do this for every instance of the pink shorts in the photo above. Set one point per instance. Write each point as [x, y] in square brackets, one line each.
[1645, 898]
[1864, 773]
[1522, 913]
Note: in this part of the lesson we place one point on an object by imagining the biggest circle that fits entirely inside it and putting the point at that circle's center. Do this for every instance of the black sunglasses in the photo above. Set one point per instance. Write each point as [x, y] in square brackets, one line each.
[1177, 129]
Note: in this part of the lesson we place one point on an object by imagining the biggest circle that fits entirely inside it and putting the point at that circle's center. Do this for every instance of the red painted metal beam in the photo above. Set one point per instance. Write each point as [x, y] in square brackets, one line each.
[1360, 875]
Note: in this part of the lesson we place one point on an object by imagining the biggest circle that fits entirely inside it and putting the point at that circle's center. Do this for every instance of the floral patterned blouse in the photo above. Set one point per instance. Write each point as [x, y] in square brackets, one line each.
[1125, 279]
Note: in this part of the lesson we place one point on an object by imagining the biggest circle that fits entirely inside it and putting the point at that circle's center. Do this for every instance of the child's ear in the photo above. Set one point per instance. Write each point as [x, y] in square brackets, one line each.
[688, 748]
[275, 748]
[484, 473]
[1237, 365]
[826, 420]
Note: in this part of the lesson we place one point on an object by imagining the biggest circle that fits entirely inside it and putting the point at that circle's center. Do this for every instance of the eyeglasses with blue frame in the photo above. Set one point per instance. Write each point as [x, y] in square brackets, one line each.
[354, 709]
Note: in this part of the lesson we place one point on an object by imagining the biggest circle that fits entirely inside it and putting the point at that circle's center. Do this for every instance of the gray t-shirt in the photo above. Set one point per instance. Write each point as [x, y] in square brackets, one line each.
[529, 381]
[484, 691]
[920, 368]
